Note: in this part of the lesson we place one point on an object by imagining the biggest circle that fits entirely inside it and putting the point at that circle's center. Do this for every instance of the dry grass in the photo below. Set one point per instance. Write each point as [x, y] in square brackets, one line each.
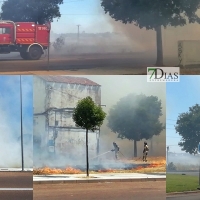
[155, 164]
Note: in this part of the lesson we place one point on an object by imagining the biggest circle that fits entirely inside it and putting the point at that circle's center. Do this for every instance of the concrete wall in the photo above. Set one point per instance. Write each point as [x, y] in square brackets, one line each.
[72, 143]
[67, 95]
[188, 52]
[39, 95]
[57, 130]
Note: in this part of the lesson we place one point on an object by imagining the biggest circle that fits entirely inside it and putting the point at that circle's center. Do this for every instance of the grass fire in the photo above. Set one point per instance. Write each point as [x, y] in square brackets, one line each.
[154, 164]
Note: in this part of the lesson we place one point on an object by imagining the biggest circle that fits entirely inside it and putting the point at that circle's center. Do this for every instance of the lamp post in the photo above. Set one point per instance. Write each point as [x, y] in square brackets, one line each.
[22, 147]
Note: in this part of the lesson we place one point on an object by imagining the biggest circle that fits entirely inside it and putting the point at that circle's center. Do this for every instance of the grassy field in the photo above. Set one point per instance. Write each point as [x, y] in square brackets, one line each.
[181, 183]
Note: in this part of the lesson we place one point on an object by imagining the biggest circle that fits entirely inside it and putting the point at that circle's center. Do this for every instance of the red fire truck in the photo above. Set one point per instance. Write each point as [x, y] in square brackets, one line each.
[27, 38]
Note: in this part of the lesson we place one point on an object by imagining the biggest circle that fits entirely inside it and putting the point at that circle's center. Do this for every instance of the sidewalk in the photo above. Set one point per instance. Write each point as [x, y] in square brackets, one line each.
[14, 169]
[103, 177]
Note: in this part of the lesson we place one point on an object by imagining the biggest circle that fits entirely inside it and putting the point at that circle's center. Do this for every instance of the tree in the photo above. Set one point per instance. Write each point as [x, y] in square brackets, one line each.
[136, 117]
[188, 126]
[89, 116]
[153, 15]
[38, 11]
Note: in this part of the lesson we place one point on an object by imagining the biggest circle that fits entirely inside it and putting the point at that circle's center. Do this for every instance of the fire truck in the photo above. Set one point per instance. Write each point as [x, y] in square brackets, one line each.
[28, 38]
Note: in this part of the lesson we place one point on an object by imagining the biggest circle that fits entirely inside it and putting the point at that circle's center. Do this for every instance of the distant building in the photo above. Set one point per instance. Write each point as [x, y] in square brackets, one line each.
[54, 131]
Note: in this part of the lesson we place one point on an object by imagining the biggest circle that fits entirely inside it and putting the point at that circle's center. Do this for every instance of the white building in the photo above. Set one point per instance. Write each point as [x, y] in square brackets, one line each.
[54, 99]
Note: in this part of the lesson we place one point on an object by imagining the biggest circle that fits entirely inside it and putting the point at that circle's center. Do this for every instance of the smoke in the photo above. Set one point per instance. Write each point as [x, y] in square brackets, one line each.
[146, 39]
[90, 43]
[113, 88]
[179, 159]
[10, 124]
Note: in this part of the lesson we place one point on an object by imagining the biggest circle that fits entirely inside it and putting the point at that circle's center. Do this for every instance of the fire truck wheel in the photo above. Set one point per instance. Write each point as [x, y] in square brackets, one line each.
[35, 53]
[24, 55]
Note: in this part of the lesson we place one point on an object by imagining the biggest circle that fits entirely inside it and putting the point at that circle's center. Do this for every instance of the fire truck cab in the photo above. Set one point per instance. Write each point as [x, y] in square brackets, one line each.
[27, 38]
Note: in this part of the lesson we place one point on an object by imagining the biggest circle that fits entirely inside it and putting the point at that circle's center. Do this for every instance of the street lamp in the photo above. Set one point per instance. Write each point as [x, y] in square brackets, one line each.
[22, 148]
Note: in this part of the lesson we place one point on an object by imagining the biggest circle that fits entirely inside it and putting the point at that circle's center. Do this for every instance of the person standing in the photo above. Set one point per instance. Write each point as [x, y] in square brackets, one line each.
[145, 152]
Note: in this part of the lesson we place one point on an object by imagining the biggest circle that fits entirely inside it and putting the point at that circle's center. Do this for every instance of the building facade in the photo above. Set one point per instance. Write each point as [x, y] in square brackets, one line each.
[55, 98]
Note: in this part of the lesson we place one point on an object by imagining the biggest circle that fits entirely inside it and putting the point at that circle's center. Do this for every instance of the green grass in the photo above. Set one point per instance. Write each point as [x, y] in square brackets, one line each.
[181, 183]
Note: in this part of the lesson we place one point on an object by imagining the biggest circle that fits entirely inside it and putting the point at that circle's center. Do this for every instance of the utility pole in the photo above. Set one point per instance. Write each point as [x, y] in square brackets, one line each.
[167, 155]
[22, 147]
[78, 32]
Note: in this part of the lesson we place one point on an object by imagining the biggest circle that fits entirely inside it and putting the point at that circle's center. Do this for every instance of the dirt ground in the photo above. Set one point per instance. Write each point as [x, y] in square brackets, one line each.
[89, 64]
[98, 191]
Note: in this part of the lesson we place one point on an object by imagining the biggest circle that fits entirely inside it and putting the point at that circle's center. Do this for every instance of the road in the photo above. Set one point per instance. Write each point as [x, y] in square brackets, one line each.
[16, 185]
[100, 64]
[101, 191]
[189, 173]
[195, 196]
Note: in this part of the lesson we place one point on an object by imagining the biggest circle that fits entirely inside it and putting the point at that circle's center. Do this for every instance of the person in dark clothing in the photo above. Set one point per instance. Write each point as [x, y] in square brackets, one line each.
[145, 151]
[116, 150]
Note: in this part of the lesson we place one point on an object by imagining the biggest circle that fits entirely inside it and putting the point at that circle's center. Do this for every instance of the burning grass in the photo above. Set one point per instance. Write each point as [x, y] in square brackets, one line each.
[154, 164]
[48, 171]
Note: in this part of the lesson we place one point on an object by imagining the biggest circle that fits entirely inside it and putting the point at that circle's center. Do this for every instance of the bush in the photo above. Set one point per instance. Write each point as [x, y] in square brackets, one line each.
[171, 166]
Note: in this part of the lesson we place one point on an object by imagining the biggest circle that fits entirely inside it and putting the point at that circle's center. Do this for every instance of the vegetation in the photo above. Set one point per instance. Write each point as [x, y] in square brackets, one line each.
[188, 126]
[181, 183]
[136, 117]
[89, 116]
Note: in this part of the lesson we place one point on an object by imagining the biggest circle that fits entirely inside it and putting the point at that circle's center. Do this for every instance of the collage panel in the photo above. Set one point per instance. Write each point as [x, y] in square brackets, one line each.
[99, 137]
[16, 133]
[94, 37]
[183, 138]
[93, 101]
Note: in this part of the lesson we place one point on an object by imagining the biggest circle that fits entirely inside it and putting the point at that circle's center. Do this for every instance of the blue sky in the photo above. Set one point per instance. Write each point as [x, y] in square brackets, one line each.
[10, 103]
[180, 96]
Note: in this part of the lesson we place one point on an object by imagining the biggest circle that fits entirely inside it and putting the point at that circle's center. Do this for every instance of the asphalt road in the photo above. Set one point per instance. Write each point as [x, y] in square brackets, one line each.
[101, 191]
[195, 173]
[16, 185]
[195, 196]
[134, 63]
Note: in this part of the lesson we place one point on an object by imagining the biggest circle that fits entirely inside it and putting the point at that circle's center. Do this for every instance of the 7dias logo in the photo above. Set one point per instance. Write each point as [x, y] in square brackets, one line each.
[163, 74]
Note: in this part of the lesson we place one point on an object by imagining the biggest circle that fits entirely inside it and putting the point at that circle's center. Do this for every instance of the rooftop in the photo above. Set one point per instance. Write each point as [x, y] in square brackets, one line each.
[69, 80]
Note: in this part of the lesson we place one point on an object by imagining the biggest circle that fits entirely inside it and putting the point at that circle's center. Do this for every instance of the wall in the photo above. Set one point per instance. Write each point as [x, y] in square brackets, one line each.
[67, 95]
[68, 140]
[188, 52]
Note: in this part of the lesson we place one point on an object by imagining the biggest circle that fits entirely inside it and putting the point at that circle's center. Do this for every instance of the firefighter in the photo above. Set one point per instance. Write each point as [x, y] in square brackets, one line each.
[145, 151]
[116, 150]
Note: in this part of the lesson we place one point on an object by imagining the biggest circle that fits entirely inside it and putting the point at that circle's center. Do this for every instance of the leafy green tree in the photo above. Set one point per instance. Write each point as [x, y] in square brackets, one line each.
[89, 116]
[153, 15]
[136, 117]
[188, 127]
[38, 11]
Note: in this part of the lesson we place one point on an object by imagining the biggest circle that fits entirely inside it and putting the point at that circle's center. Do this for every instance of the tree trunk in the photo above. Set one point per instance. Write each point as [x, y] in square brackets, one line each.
[159, 61]
[87, 160]
[135, 148]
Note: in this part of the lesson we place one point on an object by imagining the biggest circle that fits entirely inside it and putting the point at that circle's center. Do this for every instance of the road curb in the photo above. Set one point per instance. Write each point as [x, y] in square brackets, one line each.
[187, 192]
[99, 181]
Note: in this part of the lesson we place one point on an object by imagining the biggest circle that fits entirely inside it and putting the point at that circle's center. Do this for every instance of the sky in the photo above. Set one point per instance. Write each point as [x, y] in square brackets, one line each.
[87, 13]
[180, 96]
[10, 123]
